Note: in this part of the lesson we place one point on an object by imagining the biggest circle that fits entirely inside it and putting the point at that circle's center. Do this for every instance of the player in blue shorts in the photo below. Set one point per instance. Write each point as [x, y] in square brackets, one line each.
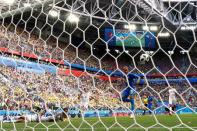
[150, 102]
[129, 88]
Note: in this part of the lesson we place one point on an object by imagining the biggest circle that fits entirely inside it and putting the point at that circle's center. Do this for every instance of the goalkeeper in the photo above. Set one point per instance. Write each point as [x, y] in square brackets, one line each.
[129, 90]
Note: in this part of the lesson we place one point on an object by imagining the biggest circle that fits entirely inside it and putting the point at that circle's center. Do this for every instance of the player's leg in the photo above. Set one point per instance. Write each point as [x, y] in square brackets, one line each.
[65, 115]
[28, 118]
[84, 108]
[144, 111]
[174, 108]
[83, 113]
[173, 104]
[132, 100]
[124, 96]
[20, 119]
[43, 119]
[170, 104]
[167, 110]
[126, 99]
[150, 108]
[47, 119]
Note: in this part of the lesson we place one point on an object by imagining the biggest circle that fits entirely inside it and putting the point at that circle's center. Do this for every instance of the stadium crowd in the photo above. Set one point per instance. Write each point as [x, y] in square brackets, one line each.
[18, 40]
[22, 90]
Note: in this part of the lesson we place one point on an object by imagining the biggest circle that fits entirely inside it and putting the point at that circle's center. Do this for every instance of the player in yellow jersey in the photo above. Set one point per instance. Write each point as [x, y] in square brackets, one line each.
[145, 101]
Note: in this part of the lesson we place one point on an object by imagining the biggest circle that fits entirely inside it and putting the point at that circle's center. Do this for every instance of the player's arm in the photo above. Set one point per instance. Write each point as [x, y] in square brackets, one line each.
[134, 76]
[138, 80]
[175, 91]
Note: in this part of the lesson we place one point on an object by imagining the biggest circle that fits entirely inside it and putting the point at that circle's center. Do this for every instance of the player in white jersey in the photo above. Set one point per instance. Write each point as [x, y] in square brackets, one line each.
[85, 100]
[44, 117]
[40, 116]
[172, 98]
[22, 118]
[31, 117]
[35, 117]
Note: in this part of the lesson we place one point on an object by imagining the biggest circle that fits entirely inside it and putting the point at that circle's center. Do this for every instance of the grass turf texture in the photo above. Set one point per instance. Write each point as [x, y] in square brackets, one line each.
[112, 123]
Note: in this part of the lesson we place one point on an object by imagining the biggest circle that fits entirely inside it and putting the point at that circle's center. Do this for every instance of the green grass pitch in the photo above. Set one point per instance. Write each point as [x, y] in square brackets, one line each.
[141, 123]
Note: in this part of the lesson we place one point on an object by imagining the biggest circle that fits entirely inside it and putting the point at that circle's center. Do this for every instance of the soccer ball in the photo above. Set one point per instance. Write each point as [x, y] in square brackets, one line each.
[144, 58]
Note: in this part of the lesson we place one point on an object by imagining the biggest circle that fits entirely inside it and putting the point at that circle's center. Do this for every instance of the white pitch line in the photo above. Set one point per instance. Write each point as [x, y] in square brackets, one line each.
[110, 128]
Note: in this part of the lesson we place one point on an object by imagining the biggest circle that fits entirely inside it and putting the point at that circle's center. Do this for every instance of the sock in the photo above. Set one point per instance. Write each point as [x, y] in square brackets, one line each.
[132, 104]
[144, 112]
[173, 108]
[170, 109]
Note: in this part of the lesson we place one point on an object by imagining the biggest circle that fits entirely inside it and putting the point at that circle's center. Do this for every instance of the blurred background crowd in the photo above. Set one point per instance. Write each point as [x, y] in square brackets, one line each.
[18, 40]
[22, 90]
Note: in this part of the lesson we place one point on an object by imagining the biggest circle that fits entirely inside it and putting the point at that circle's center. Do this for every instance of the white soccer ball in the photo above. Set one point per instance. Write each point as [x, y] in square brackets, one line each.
[144, 58]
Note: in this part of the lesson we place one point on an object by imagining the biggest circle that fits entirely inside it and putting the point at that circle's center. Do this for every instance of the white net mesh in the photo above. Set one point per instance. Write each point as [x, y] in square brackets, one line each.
[78, 65]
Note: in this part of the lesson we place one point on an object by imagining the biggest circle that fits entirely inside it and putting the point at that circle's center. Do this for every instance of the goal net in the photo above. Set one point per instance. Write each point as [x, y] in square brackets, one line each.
[98, 65]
